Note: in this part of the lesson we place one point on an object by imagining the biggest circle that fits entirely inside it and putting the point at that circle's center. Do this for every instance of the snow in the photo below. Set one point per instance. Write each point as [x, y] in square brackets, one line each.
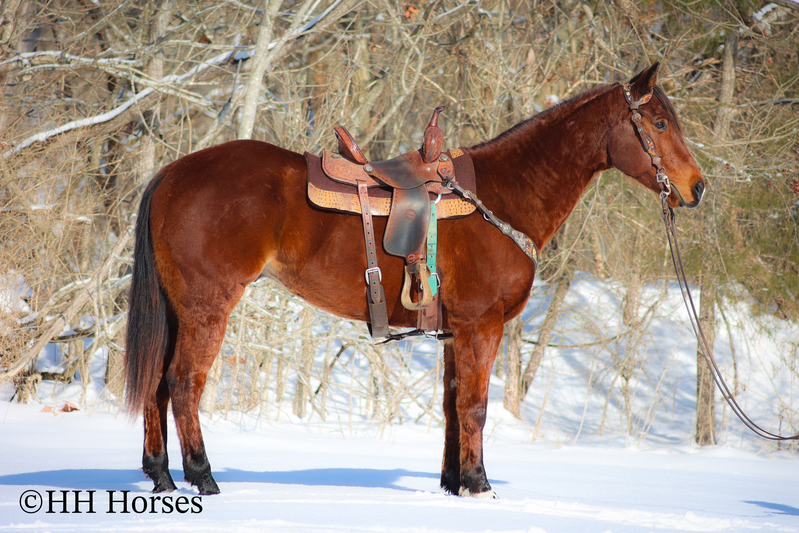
[295, 477]
[568, 466]
[12, 289]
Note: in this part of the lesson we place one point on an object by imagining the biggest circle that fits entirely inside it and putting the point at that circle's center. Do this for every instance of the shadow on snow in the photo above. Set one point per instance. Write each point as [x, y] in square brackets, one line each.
[778, 507]
[99, 479]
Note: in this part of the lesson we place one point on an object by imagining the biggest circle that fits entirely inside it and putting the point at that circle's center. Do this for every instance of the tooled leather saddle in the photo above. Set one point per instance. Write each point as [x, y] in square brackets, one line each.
[412, 191]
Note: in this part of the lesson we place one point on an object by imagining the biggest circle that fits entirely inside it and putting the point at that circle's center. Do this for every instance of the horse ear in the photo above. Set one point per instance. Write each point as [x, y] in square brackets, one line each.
[643, 82]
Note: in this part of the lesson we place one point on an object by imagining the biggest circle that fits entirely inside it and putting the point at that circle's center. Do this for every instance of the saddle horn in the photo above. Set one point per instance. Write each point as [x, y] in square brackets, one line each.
[433, 138]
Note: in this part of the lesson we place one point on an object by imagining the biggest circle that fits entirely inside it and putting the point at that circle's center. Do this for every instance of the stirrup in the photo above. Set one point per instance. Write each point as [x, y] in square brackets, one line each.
[427, 294]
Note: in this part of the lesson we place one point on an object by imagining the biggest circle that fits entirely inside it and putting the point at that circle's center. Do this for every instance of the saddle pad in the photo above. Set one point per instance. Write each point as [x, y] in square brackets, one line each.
[328, 194]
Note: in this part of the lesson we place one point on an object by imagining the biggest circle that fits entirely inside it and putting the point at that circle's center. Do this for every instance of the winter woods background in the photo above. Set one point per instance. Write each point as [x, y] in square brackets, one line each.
[97, 95]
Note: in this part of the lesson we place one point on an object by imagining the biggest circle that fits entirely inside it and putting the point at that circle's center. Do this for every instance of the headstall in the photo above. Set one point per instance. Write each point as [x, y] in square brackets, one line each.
[646, 140]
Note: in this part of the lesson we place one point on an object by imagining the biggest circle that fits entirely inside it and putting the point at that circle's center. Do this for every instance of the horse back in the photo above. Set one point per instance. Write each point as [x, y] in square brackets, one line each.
[223, 216]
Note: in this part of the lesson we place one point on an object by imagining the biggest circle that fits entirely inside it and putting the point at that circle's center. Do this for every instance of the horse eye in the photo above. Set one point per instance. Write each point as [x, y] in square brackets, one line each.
[660, 125]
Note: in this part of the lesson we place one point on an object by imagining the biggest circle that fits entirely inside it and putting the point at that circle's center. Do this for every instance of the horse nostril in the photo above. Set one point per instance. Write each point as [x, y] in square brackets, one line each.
[699, 190]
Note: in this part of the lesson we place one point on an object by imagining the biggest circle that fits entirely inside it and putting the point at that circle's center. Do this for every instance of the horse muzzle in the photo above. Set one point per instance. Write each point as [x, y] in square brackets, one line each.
[697, 190]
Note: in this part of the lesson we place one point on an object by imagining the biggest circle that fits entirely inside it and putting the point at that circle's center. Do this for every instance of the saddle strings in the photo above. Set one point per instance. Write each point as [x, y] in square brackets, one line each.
[676, 258]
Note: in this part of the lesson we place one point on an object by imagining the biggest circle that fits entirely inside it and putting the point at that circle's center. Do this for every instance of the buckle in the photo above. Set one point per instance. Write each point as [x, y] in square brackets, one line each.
[371, 271]
[661, 177]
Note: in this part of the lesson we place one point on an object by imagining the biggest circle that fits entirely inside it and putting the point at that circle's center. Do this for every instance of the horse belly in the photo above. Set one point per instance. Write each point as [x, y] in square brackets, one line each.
[322, 259]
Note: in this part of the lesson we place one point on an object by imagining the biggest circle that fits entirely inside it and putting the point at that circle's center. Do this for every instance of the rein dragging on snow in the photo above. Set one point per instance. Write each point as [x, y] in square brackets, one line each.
[671, 234]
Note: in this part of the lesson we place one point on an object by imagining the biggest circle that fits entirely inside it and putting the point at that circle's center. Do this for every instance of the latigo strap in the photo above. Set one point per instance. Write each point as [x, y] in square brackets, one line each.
[376, 295]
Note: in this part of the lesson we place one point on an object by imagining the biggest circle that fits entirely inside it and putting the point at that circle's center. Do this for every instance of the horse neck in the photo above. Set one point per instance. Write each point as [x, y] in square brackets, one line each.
[533, 175]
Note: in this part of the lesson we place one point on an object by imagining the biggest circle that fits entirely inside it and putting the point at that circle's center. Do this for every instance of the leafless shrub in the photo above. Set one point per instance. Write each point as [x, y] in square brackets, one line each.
[96, 96]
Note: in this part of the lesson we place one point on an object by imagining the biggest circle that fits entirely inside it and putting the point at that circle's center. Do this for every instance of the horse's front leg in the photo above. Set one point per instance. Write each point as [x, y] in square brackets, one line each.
[468, 360]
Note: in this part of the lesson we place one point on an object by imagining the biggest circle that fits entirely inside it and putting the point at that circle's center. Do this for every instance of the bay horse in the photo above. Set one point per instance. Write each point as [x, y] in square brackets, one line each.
[215, 220]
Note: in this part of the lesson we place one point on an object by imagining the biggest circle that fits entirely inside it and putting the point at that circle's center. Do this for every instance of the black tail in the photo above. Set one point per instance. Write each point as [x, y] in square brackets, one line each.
[148, 330]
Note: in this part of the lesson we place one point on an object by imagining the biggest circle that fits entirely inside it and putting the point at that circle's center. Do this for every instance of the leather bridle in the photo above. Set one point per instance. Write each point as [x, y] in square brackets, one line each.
[671, 233]
[646, 140]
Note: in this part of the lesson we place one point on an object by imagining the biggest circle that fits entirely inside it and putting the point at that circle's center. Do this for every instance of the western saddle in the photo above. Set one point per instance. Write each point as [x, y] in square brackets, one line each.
[416, 180]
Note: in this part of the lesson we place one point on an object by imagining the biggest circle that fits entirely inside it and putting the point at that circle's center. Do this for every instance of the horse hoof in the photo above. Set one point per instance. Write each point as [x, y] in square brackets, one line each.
[162, 480]
[450, 483]
[164, 485]
[489, 494]
[207, 486]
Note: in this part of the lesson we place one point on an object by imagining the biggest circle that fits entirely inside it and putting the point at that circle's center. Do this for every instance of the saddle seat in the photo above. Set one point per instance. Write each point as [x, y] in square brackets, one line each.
[410, 179]
[406, 171]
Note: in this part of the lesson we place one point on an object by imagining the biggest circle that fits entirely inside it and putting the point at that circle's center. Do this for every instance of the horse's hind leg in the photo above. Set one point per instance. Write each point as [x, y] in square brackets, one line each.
[201, 330]
[155, 462]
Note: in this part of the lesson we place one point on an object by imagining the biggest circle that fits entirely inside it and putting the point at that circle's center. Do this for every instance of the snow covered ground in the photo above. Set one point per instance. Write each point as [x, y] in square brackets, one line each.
[581, 460]
[311, 477]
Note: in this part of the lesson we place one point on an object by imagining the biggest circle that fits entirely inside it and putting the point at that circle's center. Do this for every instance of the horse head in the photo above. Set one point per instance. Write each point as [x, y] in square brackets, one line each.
[628, 148]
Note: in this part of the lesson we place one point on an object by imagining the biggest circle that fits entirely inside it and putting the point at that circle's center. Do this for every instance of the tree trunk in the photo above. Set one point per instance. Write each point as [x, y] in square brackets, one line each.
[115, 370]
[564, 280]
[302, 392]
[513, 385]
[721, 128]
[705, 402]
[260, 63]
[155, 71]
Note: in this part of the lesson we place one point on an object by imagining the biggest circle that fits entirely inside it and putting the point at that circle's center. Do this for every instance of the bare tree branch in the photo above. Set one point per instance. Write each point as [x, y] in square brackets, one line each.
[117, 112]
[338, 8]
[77, 304]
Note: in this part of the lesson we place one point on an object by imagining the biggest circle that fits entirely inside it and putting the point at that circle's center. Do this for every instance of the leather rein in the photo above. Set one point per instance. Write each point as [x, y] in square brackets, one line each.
[676, 258]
